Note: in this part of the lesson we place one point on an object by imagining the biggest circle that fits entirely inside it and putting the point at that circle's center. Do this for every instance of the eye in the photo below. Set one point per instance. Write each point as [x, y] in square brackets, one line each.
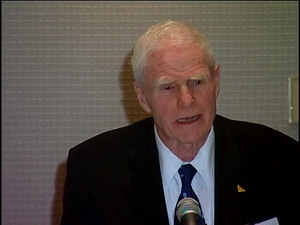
[195, 82]
[168, 87]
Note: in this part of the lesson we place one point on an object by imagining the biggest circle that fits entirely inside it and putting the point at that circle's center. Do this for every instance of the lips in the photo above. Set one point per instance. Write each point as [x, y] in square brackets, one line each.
[187, 120]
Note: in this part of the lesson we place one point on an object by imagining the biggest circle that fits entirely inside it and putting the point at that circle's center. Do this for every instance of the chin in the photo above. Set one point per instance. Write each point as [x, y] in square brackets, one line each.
[193, 137]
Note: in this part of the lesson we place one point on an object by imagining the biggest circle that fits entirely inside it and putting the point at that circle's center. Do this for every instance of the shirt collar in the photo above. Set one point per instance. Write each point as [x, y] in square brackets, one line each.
[203, 162]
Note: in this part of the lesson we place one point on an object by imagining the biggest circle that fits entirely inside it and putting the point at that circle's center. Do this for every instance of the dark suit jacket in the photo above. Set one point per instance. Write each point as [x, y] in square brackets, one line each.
[114, 178]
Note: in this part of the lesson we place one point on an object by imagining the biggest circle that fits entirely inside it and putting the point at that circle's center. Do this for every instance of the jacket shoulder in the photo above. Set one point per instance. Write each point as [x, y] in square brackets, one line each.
[249, 130]
[113, 141]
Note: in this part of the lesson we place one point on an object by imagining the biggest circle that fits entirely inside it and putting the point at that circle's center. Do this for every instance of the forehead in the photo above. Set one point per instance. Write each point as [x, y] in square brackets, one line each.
[176, 61]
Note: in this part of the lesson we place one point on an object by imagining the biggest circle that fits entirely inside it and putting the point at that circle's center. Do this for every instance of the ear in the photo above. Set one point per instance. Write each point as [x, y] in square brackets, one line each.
[217, 80]
[141, 97]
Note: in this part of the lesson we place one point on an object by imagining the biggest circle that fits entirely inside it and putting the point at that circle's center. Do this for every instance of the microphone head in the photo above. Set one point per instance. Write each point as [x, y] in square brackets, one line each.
[186, 206]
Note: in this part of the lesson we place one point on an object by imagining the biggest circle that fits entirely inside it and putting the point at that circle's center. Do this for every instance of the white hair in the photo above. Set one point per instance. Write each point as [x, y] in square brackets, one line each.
[165, 33]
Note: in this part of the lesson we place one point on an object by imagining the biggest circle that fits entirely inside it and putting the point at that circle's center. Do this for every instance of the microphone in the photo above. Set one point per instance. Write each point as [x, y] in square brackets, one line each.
[188, 211]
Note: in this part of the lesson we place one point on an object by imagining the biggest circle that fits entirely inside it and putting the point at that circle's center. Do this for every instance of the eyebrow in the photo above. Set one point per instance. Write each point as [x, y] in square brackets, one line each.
[199, 76]
[168, 80]
[164, 80]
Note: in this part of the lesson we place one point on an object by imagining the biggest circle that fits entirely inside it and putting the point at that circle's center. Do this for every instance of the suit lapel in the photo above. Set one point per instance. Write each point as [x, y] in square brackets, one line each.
[227, 161]
[146, 190]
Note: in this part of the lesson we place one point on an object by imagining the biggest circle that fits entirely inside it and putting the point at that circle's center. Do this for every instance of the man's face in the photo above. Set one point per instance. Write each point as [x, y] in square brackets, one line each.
[180, 93]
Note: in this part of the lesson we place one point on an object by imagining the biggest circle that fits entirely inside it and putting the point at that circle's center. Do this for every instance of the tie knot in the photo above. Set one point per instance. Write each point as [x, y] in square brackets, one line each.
[186, 172]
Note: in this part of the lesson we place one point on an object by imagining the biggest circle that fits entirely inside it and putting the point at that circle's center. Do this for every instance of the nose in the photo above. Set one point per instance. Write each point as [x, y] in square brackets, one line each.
[186, 98]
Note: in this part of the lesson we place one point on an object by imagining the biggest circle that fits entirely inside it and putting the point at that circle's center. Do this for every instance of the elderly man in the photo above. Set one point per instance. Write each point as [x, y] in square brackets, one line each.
[228, 172]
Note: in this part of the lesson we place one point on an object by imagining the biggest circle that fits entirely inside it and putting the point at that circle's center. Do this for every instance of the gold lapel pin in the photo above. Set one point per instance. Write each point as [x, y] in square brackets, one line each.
[240, 189]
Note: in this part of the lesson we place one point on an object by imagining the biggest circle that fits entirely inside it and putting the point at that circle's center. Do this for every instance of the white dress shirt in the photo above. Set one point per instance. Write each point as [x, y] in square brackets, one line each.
[202, 183]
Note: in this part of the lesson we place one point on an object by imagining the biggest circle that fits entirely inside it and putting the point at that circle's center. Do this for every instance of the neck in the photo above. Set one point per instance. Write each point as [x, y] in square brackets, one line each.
[186, 152]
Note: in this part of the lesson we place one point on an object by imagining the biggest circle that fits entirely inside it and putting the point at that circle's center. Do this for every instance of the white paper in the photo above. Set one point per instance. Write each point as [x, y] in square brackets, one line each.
[272, 221]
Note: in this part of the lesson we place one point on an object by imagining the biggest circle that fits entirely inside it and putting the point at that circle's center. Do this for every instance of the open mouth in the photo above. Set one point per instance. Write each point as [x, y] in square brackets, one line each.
[187, 120]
